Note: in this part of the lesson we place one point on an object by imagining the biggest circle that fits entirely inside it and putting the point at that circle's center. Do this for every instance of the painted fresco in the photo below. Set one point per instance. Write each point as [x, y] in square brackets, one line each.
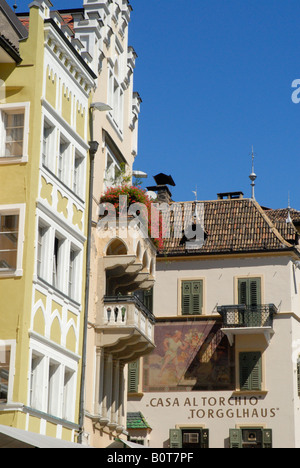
[189, 356]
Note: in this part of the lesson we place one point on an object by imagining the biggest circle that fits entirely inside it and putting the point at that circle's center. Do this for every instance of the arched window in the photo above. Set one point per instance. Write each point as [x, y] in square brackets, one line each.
[116, 247]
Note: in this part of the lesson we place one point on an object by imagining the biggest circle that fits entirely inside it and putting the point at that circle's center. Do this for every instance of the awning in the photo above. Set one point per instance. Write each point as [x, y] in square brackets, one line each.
[127, 443]
[11, 437]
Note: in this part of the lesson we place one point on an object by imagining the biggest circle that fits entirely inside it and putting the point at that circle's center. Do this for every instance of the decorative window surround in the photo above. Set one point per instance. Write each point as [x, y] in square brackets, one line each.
[55, 44]
[54, 247]
[47, 378]
[61, 123]
[18, 210]
[22, 108]
[11, 345]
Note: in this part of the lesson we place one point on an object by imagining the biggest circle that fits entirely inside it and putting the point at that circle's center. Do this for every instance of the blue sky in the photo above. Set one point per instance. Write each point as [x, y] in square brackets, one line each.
[215, 78]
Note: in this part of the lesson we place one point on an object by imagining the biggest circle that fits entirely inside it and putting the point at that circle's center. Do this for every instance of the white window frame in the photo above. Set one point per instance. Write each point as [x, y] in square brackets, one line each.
[48, 392]
[19, 210]
[68, 393]
[12, 345]
[42, 264]
[78, 185]
[53, 387]
[115, 96]
[36, 379]
[63, 159]
[116, 165]
[73, 270]
[58, 262]
[20, 106]
[45, 257]
[48, 144]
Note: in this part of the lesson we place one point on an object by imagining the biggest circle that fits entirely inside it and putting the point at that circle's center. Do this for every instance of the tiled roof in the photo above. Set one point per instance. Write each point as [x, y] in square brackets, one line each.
[279, 218]
[67, 19]
[137, 421]
[237, 225]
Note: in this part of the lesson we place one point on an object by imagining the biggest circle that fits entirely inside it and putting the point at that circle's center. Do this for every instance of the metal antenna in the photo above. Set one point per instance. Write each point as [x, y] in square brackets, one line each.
[289, 219]
[253, 176]
[15, 6]
[196, 194]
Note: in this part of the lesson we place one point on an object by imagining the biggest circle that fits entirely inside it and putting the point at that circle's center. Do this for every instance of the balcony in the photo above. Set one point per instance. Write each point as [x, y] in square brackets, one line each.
[126, 328]
[129, 259]
[247, 320]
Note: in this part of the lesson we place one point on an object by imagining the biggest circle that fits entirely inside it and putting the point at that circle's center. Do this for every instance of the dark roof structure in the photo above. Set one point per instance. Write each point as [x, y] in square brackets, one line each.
[12, 31]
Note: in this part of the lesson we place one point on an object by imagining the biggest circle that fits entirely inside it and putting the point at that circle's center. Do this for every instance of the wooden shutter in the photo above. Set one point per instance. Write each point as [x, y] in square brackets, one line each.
[242, 291]
[192, 293]
[235, 438]
[250, 371]
[175, 438]
[249, 291]
[254, 291]
[186, 297]
[267, 438]
[133, 376]
[196, 297]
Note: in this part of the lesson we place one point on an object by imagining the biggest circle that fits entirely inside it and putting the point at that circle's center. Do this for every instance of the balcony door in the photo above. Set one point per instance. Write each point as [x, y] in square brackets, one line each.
[249, 294]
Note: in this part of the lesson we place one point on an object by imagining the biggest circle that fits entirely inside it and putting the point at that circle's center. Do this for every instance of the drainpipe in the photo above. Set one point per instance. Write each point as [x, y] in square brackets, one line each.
[93, 150]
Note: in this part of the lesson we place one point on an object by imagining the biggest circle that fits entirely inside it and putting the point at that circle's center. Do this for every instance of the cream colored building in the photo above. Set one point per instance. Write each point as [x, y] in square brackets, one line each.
[119, 327]
[46, 85]
[225, 370]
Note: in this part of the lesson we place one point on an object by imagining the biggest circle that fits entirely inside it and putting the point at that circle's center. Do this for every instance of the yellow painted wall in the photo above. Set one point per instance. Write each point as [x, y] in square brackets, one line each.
[19, 184]
[24, 83]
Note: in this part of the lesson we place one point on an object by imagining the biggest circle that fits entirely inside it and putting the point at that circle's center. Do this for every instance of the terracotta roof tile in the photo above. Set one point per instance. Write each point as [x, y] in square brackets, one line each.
[237, 225]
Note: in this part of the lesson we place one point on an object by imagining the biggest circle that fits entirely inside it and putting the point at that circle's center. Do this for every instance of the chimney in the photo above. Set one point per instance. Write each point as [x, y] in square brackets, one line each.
[164, 194]
[230, 195]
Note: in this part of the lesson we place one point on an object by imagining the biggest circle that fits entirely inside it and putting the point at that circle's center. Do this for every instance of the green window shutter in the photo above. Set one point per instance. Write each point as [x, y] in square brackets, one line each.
[255, 291]
[249, 291]
[267, 438]
[186, 297]
[191, 297]
[250, 371]
[242, 291]
[235, 438]
[175, 438]
[133, 376]
[197, 294]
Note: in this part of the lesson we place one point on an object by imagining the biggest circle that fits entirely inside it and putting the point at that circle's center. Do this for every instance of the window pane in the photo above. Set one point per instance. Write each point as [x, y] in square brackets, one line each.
[67, 394]
[9, 225]
[4, 372]
[14, 128]
[53, 382]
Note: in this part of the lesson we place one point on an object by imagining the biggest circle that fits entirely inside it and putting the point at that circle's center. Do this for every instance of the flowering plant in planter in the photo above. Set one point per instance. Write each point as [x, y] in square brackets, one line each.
[132, 196]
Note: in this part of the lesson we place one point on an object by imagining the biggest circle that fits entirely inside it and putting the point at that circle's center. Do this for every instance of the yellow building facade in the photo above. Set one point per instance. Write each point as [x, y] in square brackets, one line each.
[44, 164]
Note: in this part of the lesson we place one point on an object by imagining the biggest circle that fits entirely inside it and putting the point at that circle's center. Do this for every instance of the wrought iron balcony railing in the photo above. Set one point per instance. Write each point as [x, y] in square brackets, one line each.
[241, 316]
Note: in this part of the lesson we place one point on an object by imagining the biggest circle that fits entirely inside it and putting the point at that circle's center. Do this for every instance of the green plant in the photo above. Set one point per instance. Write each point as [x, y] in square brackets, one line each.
[134, 194]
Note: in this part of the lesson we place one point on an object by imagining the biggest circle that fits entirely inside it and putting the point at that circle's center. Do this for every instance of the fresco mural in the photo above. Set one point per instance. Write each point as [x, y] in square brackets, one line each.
[189, 356]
